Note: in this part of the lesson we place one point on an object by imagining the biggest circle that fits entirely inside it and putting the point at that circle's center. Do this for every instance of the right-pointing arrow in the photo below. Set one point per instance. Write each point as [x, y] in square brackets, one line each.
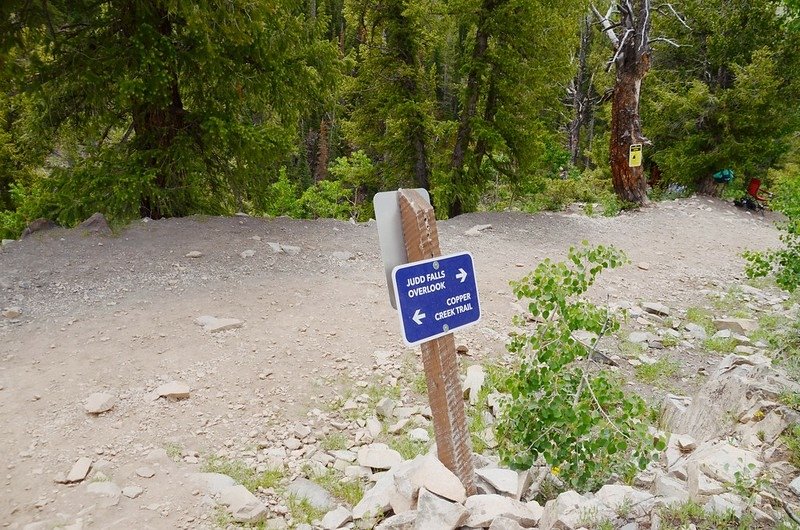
[462, 275]
[418, 317]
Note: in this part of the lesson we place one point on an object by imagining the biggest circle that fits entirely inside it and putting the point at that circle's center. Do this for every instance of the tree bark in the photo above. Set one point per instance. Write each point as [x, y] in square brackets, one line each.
[632, 61]
[581, 94]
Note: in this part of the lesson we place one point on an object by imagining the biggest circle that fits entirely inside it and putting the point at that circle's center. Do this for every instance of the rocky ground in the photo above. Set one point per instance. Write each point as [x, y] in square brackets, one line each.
[192, 372]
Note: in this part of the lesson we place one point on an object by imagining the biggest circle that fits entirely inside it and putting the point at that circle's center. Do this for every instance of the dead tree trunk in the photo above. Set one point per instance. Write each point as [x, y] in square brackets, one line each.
[581, 94]
[630, 37]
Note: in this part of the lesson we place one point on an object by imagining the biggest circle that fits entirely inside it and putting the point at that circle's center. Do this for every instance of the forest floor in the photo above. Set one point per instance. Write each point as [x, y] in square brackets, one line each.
[117, 314]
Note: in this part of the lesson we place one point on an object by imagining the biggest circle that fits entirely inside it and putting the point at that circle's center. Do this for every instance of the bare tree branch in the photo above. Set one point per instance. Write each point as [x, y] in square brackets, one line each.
[608, 28]
[618, 53]
[668, 41]
[680, 18]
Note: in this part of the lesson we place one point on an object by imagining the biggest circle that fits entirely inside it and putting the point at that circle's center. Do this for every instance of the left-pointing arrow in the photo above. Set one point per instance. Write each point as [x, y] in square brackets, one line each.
[418, 317]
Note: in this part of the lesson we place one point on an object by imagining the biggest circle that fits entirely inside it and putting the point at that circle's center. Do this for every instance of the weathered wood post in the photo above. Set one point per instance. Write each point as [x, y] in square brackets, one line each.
[439, 355]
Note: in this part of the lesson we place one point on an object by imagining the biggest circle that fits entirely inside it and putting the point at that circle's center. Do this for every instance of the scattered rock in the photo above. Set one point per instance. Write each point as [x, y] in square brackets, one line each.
[343, 256]
[173, 391]
[5, 242]
[132, 492]
[39, 225]
[212, 483]
[419, 435]
[316, 495]
[795, 486]
[505, 481]
[618, 497]
[106, 489]
[145, 472]
[696, 331]
[403, 521]
[378, 456]
[483, 509]
[741, 326]
[671, 490]
[214, 324]
[249, 253]
[11, 312]
[79, 470]
[243, 506]
[385, 407]
[96, 224]
[477, 229]
[194, 254]
[656, 308]
[569, 511]
[336, 518]
[638, 337]
[643, 265]
[99, 402]
[436, 513]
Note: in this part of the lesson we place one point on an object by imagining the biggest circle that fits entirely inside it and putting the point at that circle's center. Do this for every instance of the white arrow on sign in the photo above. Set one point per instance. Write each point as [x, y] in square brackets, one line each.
[418, 317]
[462, 275]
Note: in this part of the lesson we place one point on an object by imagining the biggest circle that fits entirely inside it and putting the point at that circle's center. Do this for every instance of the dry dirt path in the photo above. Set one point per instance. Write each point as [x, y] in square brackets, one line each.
[117, 314]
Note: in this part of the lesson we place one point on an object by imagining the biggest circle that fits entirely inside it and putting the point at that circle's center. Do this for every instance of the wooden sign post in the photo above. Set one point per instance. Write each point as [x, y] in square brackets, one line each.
[439, 355]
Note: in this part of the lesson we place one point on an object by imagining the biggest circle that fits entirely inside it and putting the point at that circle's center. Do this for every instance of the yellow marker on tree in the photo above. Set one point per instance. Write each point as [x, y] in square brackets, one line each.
[635, 155]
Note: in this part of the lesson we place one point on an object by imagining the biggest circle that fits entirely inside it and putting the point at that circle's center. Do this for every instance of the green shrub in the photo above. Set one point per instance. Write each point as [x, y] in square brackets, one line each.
[581, 423]
[784, 262]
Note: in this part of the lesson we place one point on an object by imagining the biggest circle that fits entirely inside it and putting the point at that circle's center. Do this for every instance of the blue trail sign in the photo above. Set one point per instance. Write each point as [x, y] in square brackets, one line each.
[436, 297]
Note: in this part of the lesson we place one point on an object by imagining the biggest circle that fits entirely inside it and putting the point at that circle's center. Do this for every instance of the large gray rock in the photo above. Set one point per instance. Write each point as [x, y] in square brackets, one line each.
[243, 506]
[212, 483]
[618, 497]
[504, 523]
[570, 511]
[314, 494]
[722, 461]
[505, 481]
[733, 387]
[670, 490]
[656, 308]
[742, 326]
[378, 499]
[436, 513]
[378, 456]
[403, 521]
[696, 331]
[336, 518]
[483, 509]
[96, 224]
[424, 471]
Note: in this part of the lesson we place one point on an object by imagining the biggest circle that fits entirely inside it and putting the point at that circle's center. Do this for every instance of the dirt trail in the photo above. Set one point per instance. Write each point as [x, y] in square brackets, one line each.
[117, 315]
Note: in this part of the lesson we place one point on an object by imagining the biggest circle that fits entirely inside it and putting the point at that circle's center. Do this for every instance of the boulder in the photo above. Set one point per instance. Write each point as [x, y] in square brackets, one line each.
[243, 506]
[385, 407]
[733, 387]
[317, 496]
[505, 481]
[656, 308]
[505, 523]
[378, 499]
[336, 518]
[378, 456]
[701, 486]
[96, 224]
[670, 490]
[570, 511]
[618, 497]
[212, 483]
[722, 461]
[725, 502]
[696, 331]
[436, 513]
[403, 521]
[741, 326]
[483, 509]
[39, 225]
